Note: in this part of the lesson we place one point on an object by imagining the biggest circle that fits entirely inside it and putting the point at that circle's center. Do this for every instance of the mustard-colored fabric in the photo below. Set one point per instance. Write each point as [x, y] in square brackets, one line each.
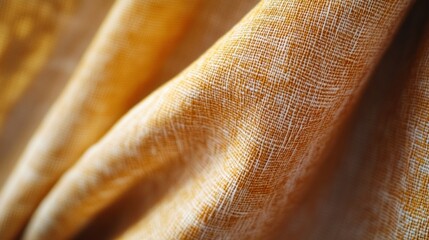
[214, 119]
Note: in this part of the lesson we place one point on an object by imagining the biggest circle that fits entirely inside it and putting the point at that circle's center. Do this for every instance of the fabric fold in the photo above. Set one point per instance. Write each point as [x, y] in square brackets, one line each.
[114, 74]
[250, 120]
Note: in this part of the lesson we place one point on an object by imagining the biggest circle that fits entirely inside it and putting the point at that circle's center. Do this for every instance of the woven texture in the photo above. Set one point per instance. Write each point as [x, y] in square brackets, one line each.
[217, 119]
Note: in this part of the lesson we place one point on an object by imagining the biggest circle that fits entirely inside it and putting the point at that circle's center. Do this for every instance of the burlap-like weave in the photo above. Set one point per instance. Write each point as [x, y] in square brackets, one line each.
[192, 119]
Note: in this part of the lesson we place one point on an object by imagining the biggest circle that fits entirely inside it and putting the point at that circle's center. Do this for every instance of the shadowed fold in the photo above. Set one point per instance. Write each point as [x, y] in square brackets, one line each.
[115, 72]
[252, 116]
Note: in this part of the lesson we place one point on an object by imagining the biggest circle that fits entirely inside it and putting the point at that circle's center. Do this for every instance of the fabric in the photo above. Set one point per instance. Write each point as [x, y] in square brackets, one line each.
[214, 119]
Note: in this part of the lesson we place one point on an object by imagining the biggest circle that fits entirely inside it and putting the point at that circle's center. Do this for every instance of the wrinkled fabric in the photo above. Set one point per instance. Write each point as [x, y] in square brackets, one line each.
[215, 119]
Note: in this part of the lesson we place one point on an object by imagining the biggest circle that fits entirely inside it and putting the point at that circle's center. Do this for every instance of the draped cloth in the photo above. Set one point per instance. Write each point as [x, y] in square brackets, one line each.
[214, 119]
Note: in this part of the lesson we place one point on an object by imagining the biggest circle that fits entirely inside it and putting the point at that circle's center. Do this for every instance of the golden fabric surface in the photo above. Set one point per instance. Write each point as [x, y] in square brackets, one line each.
[214, 119]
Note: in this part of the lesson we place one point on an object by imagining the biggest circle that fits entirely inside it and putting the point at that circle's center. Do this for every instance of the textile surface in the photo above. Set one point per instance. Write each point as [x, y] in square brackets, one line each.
[214, 119]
